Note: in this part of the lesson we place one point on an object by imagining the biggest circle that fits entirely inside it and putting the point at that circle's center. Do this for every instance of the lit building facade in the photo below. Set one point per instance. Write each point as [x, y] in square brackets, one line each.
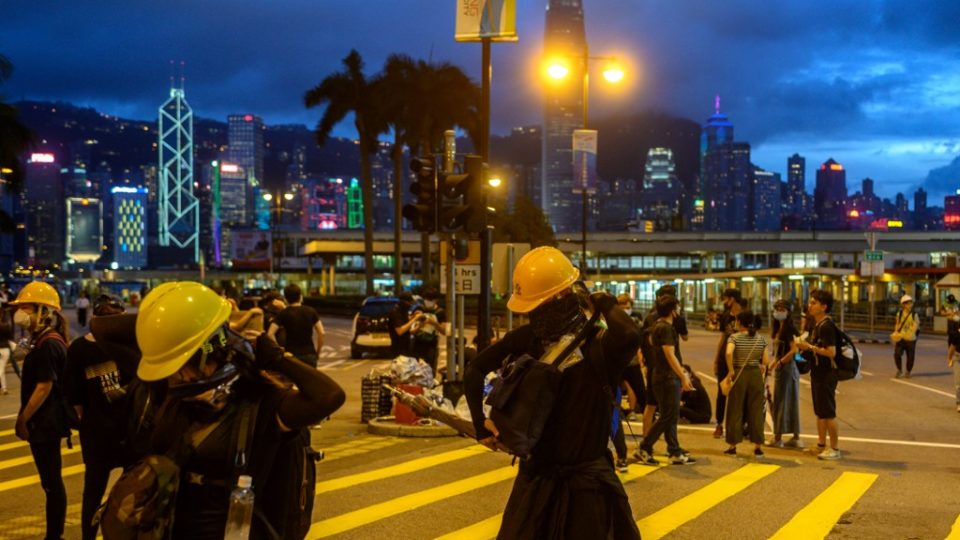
[565, 36]
[830, 195]
[765, 201]
[951, 212]
[245, 149]
[45, 211]
[179, 209]
[661, 191]
[129, 227]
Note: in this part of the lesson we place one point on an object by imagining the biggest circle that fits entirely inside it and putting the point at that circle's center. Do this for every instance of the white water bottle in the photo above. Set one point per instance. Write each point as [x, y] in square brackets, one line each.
[241, 510]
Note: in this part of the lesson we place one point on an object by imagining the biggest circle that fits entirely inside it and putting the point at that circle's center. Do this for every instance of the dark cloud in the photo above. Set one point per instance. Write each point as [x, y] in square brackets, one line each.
[789, 72]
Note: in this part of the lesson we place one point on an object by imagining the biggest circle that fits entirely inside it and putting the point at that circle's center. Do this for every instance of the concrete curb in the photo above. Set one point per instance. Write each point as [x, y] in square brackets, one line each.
[874, 341]
[385, 425]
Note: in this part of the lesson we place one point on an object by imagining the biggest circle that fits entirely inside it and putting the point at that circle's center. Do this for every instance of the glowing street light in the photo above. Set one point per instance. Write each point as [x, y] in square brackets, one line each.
[613, 73]
[494, 181]
[288, 196]
[267, 197]
[557, 70]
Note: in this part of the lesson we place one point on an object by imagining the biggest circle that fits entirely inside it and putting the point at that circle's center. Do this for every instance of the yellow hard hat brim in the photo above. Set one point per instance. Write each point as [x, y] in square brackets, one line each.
[526, 305]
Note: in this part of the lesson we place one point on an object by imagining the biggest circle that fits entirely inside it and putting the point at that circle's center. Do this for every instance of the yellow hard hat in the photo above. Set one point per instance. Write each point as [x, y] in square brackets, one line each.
[38, 292]
[174, 321]
[539, 275]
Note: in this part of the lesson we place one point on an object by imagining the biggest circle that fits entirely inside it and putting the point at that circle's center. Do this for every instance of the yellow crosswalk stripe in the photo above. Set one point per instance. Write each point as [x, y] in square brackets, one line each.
[488, 528]
[402, 468]
[35, 479]
[352, 448]
[23, 460]
[12, 445]
[667, 519]
[816, 519]
[955, 530]
[6, 432]
[376, 512]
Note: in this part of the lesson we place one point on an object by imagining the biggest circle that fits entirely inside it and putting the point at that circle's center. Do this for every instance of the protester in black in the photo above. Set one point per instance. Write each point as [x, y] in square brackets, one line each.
[427, 332]
[669, 380]
[568, 488]
[822, 342]
[42, 418]
[302, 325]
[695, 404]
[728, 326]
[95, 386]
[680, 325]
[400, 324]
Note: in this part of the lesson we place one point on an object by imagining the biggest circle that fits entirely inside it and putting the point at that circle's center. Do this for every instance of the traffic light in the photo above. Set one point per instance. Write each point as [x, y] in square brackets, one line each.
[462, 204]
[423, 214]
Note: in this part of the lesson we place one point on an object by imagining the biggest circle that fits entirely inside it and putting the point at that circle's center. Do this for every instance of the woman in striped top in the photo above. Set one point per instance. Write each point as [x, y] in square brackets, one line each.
[746, 361]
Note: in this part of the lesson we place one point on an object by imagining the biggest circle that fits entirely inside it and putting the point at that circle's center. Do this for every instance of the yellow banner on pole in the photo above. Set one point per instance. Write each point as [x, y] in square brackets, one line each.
[479, 19]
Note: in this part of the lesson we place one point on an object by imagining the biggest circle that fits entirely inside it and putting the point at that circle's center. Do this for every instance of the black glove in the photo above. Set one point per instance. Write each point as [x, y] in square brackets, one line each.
[268, 353]
[603, 301]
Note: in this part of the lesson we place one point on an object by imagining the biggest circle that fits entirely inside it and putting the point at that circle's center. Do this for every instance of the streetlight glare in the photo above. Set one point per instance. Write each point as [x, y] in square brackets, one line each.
[613, 74]
[557, 70]
[494, 181]
[267, 197]
[288, 196]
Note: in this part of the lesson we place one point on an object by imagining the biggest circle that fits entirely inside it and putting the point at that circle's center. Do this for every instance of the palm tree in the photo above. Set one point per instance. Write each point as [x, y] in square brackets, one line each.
[420, 100]
[15, 139]
[344, 92]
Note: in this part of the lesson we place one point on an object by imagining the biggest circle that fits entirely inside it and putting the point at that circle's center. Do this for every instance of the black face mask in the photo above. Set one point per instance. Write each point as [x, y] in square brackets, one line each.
[557, 318]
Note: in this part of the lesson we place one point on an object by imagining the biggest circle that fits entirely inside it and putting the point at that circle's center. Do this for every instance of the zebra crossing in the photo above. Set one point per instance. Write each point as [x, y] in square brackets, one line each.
[386, 493]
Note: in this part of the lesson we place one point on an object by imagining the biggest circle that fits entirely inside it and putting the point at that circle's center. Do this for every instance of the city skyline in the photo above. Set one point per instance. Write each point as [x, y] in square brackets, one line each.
[872, 86]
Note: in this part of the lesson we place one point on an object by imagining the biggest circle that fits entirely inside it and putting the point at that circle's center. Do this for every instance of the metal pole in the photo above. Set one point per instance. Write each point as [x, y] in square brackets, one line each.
[583, 188]
[452, 372]
[461, 338]
[872, 238]
[486, 237]
[510, 255]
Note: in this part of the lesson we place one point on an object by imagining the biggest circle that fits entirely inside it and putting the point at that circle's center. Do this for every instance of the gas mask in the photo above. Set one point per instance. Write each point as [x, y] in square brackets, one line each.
[22, 319]
[780, 315]
[557, 317]
[206, 396]
[627, 310]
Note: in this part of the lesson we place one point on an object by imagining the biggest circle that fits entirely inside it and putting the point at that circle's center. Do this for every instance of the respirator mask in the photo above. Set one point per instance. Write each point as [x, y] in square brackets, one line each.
[22, 319]
[558, 317]
[206, 396]
[780, 315]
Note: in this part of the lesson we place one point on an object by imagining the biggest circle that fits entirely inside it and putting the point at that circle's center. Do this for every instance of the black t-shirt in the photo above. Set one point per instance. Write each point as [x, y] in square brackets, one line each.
[299, 321]
[824, 335]
[663, 334]
[94, 381]
[579, 425]
[783, 342]
[679, 324]
[45, 364]
[399, 317]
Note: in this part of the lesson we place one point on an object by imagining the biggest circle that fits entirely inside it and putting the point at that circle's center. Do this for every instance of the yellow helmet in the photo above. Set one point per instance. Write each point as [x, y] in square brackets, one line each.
[174, 321]
[38, 292]
[539, 276]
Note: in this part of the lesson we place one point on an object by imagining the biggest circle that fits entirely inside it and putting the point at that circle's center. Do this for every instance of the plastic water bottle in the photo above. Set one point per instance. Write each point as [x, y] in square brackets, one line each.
[241, 510]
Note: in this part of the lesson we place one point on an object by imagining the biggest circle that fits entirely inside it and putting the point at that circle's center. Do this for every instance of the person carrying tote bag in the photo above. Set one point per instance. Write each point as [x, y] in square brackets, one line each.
[747, 356]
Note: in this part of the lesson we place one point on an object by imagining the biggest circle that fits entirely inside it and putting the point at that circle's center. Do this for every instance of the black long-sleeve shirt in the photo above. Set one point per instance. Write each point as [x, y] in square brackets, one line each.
[579, 425]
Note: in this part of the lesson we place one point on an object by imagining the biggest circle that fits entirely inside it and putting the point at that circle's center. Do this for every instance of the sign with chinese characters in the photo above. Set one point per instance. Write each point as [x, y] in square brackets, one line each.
[467, 279]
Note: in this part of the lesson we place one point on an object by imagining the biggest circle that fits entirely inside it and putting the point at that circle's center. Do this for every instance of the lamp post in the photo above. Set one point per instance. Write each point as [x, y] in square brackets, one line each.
[558, 69]
[277, 198]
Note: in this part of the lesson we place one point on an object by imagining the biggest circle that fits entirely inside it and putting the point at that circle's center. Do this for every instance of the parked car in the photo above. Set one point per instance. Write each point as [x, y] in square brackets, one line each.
[371, 331]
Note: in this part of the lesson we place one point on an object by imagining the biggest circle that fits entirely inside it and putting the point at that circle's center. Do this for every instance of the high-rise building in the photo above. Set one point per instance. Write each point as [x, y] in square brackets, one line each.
[951, 212]
[725, 177]
[235, 210]
[921, 219]
[830, 195]
[565, 36]
[245, 148]
[765, 203]
[661, 190]
[130, 227]
[46, 211]
[84, 229]
[796, 185]
[179, 210]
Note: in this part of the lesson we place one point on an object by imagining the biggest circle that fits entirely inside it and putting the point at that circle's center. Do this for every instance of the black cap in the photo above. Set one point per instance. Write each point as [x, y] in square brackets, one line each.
[732, 293]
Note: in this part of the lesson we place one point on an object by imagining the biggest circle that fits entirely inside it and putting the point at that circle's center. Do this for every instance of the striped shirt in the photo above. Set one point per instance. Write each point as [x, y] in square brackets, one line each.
[747, 349]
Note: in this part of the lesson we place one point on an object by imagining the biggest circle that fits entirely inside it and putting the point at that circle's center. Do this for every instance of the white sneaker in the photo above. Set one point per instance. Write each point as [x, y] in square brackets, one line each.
[830, 454]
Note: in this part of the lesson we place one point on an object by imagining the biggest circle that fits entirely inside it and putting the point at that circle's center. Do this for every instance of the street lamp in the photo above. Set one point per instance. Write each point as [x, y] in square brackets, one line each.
[278, 197]
[558, 69]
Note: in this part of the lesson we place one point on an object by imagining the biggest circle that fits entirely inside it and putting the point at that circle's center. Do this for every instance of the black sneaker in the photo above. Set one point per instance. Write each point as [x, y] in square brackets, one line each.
[682, 459]
[622, 466]
[732, 451]
[646, 458]
[758, 453]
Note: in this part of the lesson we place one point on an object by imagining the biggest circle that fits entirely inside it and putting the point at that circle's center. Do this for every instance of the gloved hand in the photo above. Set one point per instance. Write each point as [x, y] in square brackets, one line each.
[603, 301]
[268, 353]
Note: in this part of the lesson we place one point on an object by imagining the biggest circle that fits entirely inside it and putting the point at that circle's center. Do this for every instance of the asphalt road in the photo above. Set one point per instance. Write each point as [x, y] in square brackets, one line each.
[899, 477]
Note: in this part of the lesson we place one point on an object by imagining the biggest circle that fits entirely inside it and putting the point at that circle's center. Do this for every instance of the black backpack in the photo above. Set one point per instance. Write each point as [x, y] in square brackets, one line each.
[290, 489]
[847, 360]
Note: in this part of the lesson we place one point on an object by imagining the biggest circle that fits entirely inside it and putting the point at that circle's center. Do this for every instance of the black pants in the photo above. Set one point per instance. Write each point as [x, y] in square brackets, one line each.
[82, 316]
[694, 416]
[46, 456]
[667, 390]
[429, 352]
[98, 462]
[633, 375]
[309, 359]
[721, 399]
[911, 348]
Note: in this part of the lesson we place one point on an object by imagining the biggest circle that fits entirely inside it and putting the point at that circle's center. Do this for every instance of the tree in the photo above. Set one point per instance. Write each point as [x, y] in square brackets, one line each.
[526, 223]
[15, 139]
[344, 92]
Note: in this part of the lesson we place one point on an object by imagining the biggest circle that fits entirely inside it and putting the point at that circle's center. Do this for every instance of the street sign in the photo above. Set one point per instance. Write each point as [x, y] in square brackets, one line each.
[873, 255]
[871, 268]
[503, 265]
[467, 279]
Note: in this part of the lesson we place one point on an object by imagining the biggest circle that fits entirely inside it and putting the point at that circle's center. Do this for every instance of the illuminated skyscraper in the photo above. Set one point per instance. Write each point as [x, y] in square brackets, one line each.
[765, 200]
[130, 227]
[716, 173]
[245, 148]
[562, 113]
[46, 211]
[796, 184]
[830, 195]
[179, 210]
[661, 191]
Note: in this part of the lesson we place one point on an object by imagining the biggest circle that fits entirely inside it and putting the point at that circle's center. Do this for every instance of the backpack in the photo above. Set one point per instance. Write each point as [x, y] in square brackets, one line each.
[290, 489]
[523, 396]
[847, 360]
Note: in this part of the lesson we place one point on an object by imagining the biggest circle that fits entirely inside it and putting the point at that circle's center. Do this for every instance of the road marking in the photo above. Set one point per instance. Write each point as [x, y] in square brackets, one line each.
[12, 445]
[866, 373]
[672, 516]
[488, 528]
[23, 460]
[816, 519]
[35, 479]
[7, 432]
[955, 530]
[399, 505]
[8, 416]
[920, 386]
[332, 365]
[363, 446]
[406, 467]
